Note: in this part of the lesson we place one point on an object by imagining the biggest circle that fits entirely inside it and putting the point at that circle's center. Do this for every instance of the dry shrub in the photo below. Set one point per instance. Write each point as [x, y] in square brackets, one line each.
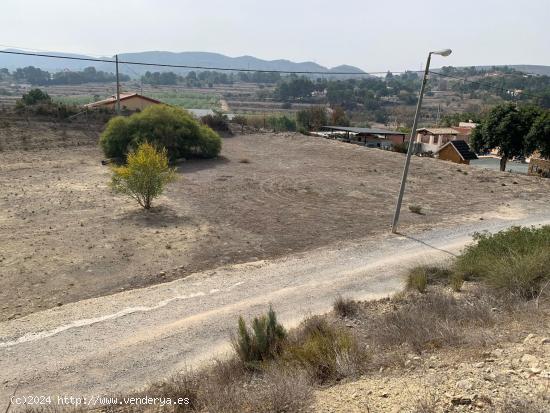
[416, 209]
[228, 387]
[427, 404]
[345, 307]
[325, 351]
[428, 321]
[417, 279]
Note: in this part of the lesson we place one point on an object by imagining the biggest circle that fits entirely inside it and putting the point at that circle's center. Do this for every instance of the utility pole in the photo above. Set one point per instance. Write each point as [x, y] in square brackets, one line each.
[445, 52]
[117, 88]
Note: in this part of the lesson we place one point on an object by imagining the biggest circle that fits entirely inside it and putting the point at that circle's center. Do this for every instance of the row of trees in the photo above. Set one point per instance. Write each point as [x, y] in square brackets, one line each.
[36, 76]
[516, 131]
[208, 78]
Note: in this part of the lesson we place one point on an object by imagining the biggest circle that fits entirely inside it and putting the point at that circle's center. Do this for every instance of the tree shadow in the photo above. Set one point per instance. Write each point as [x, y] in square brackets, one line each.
[157, 216]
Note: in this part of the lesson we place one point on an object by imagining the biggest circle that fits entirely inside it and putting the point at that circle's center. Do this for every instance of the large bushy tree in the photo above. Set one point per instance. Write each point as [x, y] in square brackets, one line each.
[505, 128]
[163, 126]
[538, 138]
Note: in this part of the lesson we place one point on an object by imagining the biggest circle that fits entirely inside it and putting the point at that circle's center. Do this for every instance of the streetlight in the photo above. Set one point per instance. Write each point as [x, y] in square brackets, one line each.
[444, 53]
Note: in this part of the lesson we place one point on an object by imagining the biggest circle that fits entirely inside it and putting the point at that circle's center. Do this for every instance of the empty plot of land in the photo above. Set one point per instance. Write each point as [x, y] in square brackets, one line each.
[64, 236]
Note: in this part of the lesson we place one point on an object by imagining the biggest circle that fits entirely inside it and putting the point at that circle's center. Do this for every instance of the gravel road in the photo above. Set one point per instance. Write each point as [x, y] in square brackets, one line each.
[124, 341]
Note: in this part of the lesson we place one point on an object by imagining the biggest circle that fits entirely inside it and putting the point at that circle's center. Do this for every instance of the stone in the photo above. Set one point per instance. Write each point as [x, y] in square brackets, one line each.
[545, 340]
[528, 338]
[465, 384]
[529, 360]
[461, 401]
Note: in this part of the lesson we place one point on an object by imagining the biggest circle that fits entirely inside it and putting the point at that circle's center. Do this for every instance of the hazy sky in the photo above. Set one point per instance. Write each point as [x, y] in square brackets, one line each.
[373, 35]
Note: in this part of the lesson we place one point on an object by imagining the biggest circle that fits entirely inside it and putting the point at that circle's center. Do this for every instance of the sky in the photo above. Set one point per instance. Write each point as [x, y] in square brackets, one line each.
[373, 35]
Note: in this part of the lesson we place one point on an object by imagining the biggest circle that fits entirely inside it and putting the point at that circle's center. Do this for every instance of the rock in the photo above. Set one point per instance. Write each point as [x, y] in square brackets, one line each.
[545, 340]
[529, 360]
[535, 370]
[498, 352]
[461, 401]
[465, 384]
[528, 338]
[384, 395]
[479, 365]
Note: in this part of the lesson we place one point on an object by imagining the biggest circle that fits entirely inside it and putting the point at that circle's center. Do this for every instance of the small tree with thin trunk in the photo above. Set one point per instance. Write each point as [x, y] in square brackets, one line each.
[144, 176]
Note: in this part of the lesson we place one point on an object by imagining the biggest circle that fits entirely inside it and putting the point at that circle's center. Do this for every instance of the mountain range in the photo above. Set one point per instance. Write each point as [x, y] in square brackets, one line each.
[202, 59]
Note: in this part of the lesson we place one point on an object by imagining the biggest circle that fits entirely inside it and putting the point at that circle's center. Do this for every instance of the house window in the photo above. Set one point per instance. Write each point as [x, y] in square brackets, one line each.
[436, 140]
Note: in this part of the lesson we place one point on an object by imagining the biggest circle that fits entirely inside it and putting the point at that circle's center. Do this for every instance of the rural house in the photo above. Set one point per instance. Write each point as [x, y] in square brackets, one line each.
[128, 102]
[432, 139]
[456, 151]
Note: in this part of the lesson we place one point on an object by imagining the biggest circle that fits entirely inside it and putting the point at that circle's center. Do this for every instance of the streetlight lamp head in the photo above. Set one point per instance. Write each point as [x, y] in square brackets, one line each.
[444, 52]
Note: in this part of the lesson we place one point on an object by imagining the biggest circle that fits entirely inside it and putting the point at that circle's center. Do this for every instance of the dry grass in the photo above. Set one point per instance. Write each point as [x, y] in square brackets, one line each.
[345, 307]
[428, 321]
[524, 406]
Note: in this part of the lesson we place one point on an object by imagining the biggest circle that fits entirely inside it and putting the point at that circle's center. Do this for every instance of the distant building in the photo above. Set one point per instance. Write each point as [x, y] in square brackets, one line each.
[128, 102]
[456, 151]
[464, 130]
[431, 139]
[369, 137]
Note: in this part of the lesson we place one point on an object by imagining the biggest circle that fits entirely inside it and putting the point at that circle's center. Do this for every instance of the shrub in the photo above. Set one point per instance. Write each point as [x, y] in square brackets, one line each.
[145, 175]
[35, 96]
[163, 126]
[325, 351]
[417, 279]
[264, 342]
[218, 121]
[240, 120]
[456, 281]
[428, 321]
[345, 307]
[281, 123]
[400, 147]
[311, 118]
[515, 261]
[415, 209]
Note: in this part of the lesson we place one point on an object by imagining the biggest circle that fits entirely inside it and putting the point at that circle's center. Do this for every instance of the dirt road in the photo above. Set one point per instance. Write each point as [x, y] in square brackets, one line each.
[123, 341]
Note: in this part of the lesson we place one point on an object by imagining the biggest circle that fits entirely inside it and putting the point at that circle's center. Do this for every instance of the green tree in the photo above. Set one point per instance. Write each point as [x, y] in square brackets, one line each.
[164, 126]
[145, 175]
[35, 96]
[312, 118]
[505, 128]
[538, 137]
[339, 117]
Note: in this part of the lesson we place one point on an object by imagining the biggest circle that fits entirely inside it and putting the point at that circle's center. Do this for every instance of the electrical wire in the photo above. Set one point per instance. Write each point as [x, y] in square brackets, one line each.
[102, 60]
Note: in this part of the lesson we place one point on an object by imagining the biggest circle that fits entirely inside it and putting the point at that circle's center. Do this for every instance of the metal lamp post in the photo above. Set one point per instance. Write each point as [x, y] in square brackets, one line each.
[445, 52]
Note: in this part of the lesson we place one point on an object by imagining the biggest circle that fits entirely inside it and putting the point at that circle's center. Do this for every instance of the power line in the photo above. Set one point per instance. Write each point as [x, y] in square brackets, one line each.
[127, 63]
[100, 60]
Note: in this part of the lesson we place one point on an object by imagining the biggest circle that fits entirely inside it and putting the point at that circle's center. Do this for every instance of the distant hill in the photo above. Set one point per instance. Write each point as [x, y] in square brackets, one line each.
[203, 59]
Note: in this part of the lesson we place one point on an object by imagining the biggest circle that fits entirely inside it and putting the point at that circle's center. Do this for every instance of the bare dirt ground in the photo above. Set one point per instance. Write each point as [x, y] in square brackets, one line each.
[64, 236]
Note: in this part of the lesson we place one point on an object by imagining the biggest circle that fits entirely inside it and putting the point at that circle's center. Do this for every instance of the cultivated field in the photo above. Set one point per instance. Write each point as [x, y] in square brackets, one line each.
[64, 236]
